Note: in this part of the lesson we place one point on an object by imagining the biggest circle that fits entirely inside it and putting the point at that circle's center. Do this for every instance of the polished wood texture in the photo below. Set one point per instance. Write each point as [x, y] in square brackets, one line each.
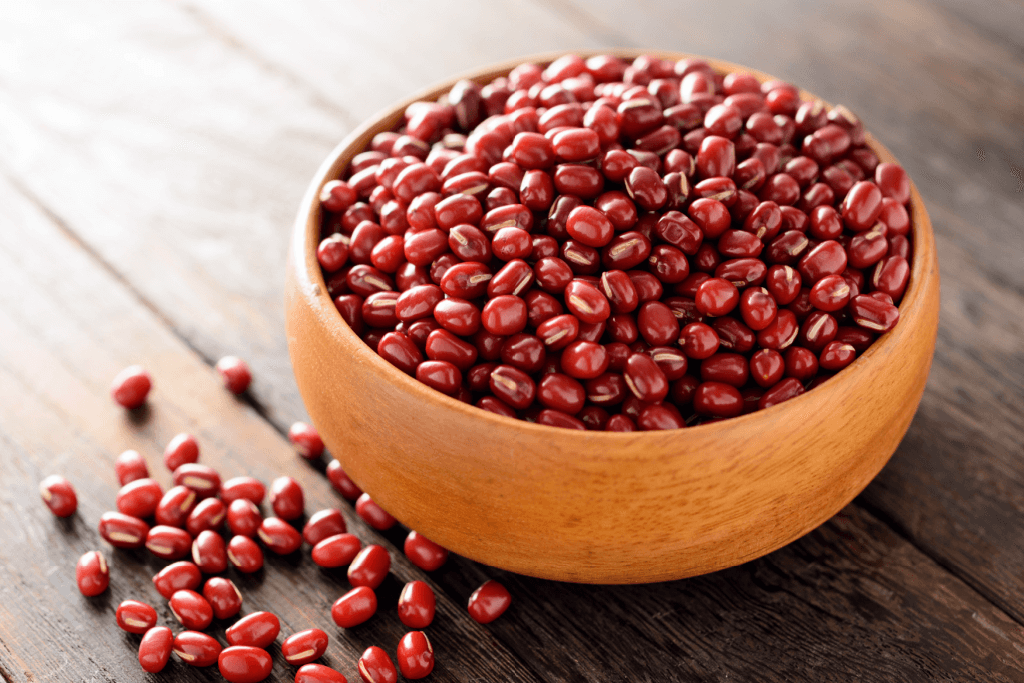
[599, 507]
[153, 157]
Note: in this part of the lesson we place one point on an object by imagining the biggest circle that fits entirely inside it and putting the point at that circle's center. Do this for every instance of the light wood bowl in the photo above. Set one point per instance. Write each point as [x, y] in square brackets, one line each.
[600, 507]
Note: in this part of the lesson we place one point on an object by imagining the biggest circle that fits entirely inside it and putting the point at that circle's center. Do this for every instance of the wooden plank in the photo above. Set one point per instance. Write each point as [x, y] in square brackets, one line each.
[67, 327]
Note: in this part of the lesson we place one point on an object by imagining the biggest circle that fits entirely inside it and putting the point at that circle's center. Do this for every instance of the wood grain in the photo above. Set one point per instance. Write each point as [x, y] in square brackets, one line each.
[175, 144]
[67, 327]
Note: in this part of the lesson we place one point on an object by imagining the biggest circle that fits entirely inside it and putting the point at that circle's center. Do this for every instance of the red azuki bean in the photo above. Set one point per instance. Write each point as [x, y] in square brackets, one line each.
[415, 655]
[818, 329]
[202, 479]
[465, 280]
[209, 552]
[733, 334]
[579, 180]
[757, 307]
[657, 324]
[617, 207]
[369, 567]
[92, 574]
[670, 360]
[524, 351]
[645, 379]
[373, 514]
[895, 217]
[168, 542]
[306, 440]
[698, 340]
[513, 386]
[783, 391]
[469, 243]
[558, 332]
[511, 243]
[223, 597]
[783, 283]
[336, 551]
[423, 552]
[828, 258]
[582, 360]
[416, 605]
[561, 392]
[286, 498]
[244, 517]
[191, 609]
[514, 278]
[135, 617]
[552, 274]
[872, 314]
[716, 297]
[620, 423]
[711, 216]
[645, 187]
[304, 647]
[244, 554]
[376, 667]
[589, 226]
[139, 498]
[178, 576]
[123, 531]
[354, 607]
[155, 649]
[668, 264]
[537, 190]
[625, 251]
[767, 367]
[258, 629]
[658, 416]
[830, 293]
[323, 524]
[586, 302]
[196, 649]
[890, 276]
[716, 157]
[728, 368]
[417, 302]
[868, 248]
[318, 673]
[279, 536]
[488, 602]
[576, 144]
[340, 481]
[836, 356]
[717, 400]
[893, 182]
[235, 372]
[59, 495]
[862, 206]
[242, 487]
[242, 664]
[129, 466]
[489, 345]
[399, 350]
[458, 209]
[800, 363]
[504, 315]
[182, 449]
[440, 375]
[131, 386]
[739, 244]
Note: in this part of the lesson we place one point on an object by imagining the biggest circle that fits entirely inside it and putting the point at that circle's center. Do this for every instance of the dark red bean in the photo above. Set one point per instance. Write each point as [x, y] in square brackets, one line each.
[698, 340]
[336, 551]
[92, 574]
[890, 276]
[711, 216]
[304, 647]
[59, 495]
[620, 423]
[828, 258]
[783, 283]
[717, 400]
[279, 536]
[123, 531]
[416, 605]
[423, 552]
[716, 296]
[354, 607]
[373, 514]
[209, 552]
[202, 479]
[340, 481]
[182, 449]
[137, 499]
[800, 363]
[129, 466]
[196, 649]
[155, 649]
[168, 542]
[728, 368]
[442, 345]
[733, 334]
[767, 367]
[645, 187]
[376, 667]
[323, 524]
[223, 596]
[657, 416]
[893, 182]
[561, 392]
[862, 206]
[504, 315]
[716, 157]
[318, 673]
[244, 554]
[868, 248]
[537, 190]
[837, 355]
[783, 391]
[818, 329]
[581, 360]
[369, 567]
[241, 664]
[645, 379]
[415, 655]
[757, 307]
[657, 324]
[830, 293]
[135, 617]
[244, 517]
[488, 602]
[258, 629]
[131, 386]
[440, 375]
[872, 314]
[286, 498]
[191, 609]
[306, 440]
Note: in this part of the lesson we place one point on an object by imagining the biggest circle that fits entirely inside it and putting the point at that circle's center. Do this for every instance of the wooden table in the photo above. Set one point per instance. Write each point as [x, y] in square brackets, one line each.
[152, 156]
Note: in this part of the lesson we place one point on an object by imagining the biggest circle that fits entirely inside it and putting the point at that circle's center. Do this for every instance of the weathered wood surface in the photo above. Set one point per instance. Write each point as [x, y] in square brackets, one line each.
[165, 147]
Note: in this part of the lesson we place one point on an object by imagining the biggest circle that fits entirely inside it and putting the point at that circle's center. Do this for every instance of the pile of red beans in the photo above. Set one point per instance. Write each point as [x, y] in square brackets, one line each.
[605, 245]
[189, 521]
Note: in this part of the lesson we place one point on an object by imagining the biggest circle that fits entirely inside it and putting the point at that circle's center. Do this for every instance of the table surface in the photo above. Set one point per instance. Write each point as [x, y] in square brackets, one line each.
[152, 156]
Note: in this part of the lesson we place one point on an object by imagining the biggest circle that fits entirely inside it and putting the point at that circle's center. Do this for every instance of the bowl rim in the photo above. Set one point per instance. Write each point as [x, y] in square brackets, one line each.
[306, 231]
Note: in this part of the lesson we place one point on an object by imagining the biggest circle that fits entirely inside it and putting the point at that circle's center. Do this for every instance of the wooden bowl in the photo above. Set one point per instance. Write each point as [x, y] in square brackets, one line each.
[600, 507]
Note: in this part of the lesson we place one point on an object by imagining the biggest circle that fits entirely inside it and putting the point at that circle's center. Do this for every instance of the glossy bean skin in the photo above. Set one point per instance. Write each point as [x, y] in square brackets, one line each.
[423, 552]
[375, 666]
[336, 551]
[135, 617]
[373, 514]
[209, 552]
[416, 605]
[209, 514]
[304, 647]
[122, 531]
[341, 482]
[155, 649]
[354, 607]
[583, 360]
[182, 449]
[130, 466]
[318, 673]
[244, 517]
[223, 596]
[131, 386]
[836, 356]
[258, 629]
[59, 495]
[323, 524]
[168, 542]
[488, 602]
[718, 400]
[783, 391]
[645, 379]
[191, 609]
[244, 664]
[286, 498]
[178, 576]
[369, 567]
[872, 314]
[92, 574]
[279, 536]
[415, 655]
[767, 367]
[202, 479]
[244, 554]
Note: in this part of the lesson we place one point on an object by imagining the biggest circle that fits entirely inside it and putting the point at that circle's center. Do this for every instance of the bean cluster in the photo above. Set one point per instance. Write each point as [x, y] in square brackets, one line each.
[596, 244]
[189, 519]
